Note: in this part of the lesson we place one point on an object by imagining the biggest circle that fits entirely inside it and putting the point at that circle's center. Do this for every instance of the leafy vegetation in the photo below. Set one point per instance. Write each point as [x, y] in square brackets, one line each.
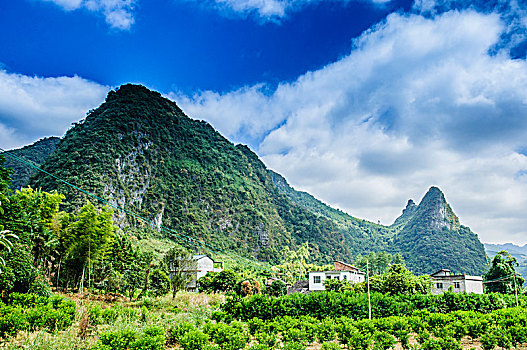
[355, 304]
[37, 153]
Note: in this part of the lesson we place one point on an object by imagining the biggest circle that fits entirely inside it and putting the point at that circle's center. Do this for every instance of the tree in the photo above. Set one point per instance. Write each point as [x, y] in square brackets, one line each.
[379, 262]
[224, 281]
[5, 176]
[502, 276]
[337, 285]
[295, 267]
[398, 280]
[88, 237]
[131, 280]
[277, 289]
[247, 287]
[159, 283]
[177, 261]
[398, 259]
[6, 238]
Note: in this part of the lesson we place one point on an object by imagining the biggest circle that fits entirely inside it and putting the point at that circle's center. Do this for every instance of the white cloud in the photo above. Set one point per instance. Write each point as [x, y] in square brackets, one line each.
[418, 102]
[33, 107]
[118, 13]
[270, 10]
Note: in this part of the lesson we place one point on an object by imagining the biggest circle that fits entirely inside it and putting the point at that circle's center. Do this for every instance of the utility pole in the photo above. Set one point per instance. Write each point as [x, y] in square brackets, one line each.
[368, 282]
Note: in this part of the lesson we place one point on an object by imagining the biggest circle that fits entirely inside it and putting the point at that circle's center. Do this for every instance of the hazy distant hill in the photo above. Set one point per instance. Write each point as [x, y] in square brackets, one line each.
[140, 151]
[37, 153]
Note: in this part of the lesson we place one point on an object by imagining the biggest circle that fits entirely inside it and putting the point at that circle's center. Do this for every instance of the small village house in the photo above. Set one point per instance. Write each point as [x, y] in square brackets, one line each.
[198, 266]
[444, 279]
[342, 271]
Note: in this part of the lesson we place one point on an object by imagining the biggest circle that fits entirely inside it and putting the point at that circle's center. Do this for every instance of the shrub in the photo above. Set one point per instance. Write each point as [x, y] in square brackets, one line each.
[267, 339]
[152, 338]
[177, 331]
[330, 346]
[326, 330]
[277, 289]
[383, 341]
[228, 337]
[194, 339]
[295, 346]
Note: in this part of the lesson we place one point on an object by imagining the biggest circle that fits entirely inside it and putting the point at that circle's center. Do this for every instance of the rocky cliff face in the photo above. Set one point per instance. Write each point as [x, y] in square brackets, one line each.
[430, 237]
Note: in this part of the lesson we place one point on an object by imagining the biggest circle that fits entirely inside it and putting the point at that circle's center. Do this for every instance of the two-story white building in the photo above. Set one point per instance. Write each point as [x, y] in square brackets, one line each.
[343, 272]
[198, 266]
[443, 279]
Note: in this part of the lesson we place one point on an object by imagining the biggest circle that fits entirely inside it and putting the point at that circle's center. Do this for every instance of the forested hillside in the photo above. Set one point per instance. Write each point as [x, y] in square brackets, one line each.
[37, 153]
[431, 238]
[139, 151]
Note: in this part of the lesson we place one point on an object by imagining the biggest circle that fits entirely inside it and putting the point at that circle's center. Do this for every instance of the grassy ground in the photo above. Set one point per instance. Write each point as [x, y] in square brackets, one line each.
[83, 334]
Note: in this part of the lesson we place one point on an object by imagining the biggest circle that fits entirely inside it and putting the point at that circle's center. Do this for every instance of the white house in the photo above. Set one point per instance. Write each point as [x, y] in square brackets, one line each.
[443, 279]
[343, 272]
[198, 266]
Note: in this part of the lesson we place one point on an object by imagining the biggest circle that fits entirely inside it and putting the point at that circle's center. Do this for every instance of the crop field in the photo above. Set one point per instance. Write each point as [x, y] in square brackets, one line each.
[192, 321]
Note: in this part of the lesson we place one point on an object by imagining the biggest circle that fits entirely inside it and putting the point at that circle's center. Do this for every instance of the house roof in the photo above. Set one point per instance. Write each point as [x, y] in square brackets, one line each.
[448, 275]
[358, 272]
[442, 270]
[299, 287]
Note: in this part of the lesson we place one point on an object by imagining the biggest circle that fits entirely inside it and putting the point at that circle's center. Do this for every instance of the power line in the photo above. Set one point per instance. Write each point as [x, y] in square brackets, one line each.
[126, 211]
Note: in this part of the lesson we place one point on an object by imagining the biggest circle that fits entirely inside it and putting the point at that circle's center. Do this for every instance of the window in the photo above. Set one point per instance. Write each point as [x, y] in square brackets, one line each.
[328, 277]
[439, 285]
[316, 279]
[457, 285]
[344, 277]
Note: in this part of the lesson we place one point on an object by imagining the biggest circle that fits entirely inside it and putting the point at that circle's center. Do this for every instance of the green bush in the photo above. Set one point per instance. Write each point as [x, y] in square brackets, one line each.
[266, 339]
[228, 337]
[383, 341]
[152, 338]
[351, 304]
[276, 289]
[330, 346]
[177, 331]
[34, 312]
[326, 330]
[194, 339]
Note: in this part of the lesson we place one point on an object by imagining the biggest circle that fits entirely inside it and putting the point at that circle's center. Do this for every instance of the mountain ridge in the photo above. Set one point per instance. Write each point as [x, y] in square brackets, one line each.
[141, 151]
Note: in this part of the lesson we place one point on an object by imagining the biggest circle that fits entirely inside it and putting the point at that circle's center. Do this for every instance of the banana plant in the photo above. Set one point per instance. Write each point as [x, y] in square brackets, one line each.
[6, 238]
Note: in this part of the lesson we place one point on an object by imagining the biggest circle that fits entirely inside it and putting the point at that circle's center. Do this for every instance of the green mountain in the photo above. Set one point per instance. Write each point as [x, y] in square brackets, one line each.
[431, 238]
[37, 153]
[139, 151]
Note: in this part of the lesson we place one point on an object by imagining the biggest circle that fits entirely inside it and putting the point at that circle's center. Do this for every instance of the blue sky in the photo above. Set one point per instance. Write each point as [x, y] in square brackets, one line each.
[362, 103]
[180, 45]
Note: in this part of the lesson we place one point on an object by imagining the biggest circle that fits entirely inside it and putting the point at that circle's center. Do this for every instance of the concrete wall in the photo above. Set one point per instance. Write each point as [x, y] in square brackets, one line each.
[459, 284]
[474, 286]
[350, 276]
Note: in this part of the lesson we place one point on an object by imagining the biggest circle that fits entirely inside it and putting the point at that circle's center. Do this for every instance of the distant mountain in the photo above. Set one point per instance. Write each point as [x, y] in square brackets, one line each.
[492, 249]
[138, 150]
[37, 153]
[431, 238]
